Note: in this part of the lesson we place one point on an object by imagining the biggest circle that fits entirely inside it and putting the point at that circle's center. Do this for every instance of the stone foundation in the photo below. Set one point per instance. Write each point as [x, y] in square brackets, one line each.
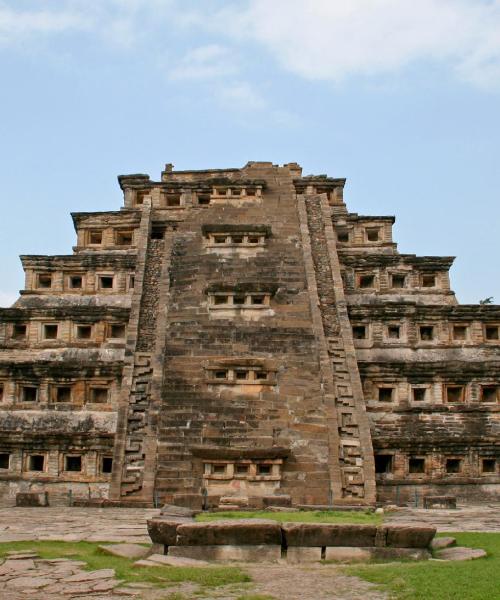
[266, 540]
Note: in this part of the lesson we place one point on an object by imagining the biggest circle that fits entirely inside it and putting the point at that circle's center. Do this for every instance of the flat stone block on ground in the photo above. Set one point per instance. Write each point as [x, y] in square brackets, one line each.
[131, 551]
[409, 536]
[176, 561]
[461, 553]
[91, 575]
[172, 510]
[241, 532]
[247, 553]
[440, 543]
[326, 534]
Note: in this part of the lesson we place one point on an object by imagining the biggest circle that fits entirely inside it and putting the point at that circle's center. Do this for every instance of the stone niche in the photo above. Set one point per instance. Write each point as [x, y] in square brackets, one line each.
[241, 476]
[236, 239]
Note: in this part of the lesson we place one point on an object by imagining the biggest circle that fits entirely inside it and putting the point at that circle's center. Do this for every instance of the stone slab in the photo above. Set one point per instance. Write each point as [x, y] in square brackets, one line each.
[326, 534]
[247, 553]
[461, 553]
[351, 554]
[241, 532]
[408, 536]
[164, 531]
[172, 510]
[440, 543]
[91, 575]
[28, 582]
[13, 565]
[131, 551]
[176, 561]
[144, 562]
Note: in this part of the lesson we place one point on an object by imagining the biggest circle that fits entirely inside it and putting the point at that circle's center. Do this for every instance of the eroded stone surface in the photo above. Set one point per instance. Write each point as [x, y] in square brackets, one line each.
[405, 536]
[461, 553]
[176, 561]
[132, 551]
[231, 532]
[246, 553]
[439, 543]
[324, 534]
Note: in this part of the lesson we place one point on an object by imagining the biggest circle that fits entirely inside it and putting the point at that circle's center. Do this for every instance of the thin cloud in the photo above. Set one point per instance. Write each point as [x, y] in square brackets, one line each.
[18, 24]
[205, 62]
[335, 39]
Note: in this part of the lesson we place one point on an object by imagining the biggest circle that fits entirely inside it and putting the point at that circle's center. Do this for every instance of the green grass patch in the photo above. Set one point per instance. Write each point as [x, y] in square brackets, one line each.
[301, 516]
[94, 558]
[472, 580]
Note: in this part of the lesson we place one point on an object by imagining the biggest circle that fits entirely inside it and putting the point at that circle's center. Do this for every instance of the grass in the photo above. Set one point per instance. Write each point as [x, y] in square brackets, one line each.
[470, 580]
[162, 575]
[310, 516]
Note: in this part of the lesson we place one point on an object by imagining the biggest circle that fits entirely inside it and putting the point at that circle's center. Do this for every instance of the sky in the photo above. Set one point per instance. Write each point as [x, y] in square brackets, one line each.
[400, 97]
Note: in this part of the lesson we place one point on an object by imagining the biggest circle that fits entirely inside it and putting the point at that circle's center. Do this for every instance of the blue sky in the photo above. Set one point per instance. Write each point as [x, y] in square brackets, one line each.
[400, 97]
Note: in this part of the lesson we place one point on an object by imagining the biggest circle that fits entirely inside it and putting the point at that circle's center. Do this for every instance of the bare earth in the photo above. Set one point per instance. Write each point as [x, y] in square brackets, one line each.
[31, 577]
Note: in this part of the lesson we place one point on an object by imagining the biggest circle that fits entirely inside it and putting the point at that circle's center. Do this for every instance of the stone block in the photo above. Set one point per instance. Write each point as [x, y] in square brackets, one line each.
[461, 553]
[229, 552]
[326, 534]
[241, 532]
[440, 543]
[297, 554]
[32, 499]
[164, 531]
[409, 536]
[191, 501]
[347, 553]
[172, 510]
[175, 561]
[237, 501]
[131, 551]
[281, 500]
[440, 502]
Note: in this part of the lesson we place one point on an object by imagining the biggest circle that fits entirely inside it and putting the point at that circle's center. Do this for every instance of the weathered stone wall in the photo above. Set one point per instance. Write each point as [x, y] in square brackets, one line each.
[285, 411]
[238, 334]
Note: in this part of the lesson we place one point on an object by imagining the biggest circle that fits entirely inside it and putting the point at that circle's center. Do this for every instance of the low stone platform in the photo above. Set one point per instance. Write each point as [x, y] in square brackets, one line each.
[267, 540]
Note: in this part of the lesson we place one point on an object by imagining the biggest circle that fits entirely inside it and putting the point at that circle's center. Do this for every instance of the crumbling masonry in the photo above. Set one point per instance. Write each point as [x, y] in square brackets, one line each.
[236, 338]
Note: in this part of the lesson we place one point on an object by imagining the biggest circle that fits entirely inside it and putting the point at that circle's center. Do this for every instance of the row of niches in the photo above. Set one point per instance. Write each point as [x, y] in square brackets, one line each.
[95, 394]
[56, 463]
[65, 332]
[236, 240]
[177, 199]
[394, 281]
[247, 300]
[394, 465]
[249, 470]
[384, 394]
[364, 235]
[81, 282]
[107, 237]
[409, 332]
[240, 375]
